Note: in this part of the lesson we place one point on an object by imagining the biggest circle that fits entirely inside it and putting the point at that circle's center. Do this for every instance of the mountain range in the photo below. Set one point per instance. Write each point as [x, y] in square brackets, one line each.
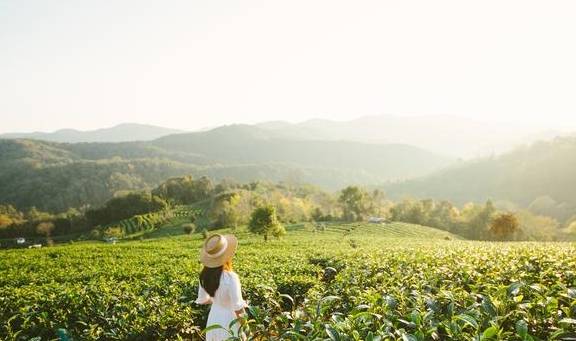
[540, 176]
[55, 176]
[120, 133]
[442, 134]
[59, 175]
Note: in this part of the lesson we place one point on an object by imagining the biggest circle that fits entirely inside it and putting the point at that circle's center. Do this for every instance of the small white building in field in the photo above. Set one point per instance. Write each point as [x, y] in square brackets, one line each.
[376, 220]
[111, 240]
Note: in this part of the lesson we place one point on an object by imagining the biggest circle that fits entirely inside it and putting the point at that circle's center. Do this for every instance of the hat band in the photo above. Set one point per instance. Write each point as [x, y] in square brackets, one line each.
[221, 252]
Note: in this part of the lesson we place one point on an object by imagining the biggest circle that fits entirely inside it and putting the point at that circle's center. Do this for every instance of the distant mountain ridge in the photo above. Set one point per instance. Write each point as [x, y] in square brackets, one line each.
[444, 134]
[55, 176]
[540, 176]
[249, 144]
[120, 133]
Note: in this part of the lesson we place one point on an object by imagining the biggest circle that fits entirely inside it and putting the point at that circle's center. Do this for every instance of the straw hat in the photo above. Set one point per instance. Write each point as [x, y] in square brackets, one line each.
[218, 249]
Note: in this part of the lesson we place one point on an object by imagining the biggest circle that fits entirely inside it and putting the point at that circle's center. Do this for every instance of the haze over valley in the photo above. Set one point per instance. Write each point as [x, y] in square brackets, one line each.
[452, 136]
[420, 157]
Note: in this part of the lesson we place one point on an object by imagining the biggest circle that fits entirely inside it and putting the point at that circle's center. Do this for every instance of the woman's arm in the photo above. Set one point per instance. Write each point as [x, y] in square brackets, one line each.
[238, 302]
[209, 301]
[203, 297]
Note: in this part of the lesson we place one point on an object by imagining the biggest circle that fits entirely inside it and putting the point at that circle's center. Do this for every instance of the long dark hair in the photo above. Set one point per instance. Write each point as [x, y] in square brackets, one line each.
[210, 277]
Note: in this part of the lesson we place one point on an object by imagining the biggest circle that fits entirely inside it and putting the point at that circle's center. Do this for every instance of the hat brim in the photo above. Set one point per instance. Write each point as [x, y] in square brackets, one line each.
[214, 262]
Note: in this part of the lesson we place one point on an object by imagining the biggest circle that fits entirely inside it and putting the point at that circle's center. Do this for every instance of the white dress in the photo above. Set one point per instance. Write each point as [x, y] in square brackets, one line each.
[226, 300]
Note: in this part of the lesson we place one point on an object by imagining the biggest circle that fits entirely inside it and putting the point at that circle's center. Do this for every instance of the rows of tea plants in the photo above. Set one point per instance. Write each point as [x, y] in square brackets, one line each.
[144, 222]
[154, 220]
[392, 230]
[351, 282]
[467, 291]
[187, 211]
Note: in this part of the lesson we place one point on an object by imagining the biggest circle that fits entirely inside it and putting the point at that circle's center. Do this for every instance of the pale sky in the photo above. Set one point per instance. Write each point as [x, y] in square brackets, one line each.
[191, 64]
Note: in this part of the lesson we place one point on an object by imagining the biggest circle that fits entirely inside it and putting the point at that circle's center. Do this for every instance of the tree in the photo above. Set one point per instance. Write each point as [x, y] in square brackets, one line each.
[126, 206]
[34, 214]
[5, 220]
[409, 211]
[264, 221]
[185, 190]
[442, 216]
[202, 189]
[571, 229]
[504, 225]
[378, 202]
[480, 220]
[417, 213]
[9, 215]
[537, 227]
[355, 203]
[45, 228]
[317, 214]
[223, 210]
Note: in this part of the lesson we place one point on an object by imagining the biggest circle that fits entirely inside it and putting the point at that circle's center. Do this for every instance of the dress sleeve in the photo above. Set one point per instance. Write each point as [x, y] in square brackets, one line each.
[203, 297]
[236, 293]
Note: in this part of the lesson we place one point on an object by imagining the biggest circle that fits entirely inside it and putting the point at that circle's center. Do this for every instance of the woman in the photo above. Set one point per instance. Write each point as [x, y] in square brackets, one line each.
[220, 286]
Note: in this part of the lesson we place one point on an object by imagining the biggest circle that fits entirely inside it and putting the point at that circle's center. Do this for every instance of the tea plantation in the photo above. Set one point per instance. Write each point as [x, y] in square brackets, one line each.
[391, 282]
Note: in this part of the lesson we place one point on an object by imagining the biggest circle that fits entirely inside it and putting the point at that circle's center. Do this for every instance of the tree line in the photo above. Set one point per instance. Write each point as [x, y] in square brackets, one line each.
[231, 204]
[538, 177]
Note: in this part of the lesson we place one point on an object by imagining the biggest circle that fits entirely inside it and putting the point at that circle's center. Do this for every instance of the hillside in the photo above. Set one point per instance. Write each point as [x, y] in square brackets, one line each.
[119, 133]
[246, 144]
[351, 230]
[540, 176]
[56, 176]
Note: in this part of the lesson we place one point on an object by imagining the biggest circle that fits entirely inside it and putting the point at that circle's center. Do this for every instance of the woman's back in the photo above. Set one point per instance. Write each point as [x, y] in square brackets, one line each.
[226, 301]
[220, 287]
[229, 293]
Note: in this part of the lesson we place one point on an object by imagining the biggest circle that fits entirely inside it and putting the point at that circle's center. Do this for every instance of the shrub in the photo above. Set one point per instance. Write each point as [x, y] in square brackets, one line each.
[45, 228]
[189, 228]
[203, 223]
[95, 234]
[113, 232]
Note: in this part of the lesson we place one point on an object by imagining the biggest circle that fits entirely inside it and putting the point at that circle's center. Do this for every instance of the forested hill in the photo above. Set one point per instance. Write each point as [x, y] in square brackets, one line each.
[541, 176]
[248, 144]
[55, 176]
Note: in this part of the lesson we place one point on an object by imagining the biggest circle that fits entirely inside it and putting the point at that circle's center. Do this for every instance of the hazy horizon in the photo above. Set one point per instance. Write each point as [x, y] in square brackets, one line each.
[194, 65]
[527, 126]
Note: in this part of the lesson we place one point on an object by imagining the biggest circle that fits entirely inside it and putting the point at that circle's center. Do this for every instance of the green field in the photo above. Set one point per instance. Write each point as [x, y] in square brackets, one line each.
[393, 282]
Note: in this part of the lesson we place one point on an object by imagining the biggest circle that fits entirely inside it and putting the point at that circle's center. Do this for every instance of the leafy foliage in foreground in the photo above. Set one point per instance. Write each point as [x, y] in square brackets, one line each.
[389, 285]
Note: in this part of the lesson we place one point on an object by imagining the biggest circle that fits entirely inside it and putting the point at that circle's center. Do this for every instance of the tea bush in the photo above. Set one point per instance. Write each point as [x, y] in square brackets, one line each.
[393, 282]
